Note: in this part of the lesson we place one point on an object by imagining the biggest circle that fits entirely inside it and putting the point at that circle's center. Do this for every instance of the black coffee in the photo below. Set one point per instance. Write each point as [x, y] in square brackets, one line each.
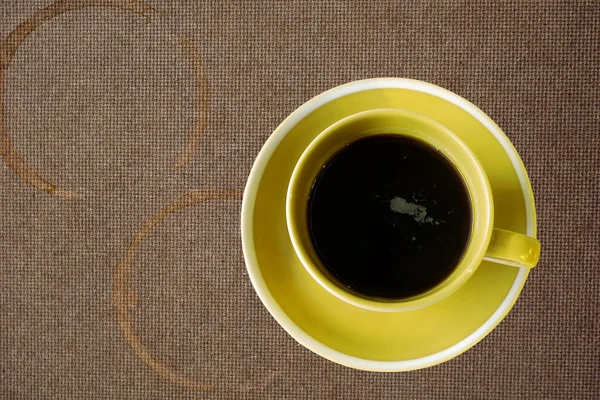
[389, 216]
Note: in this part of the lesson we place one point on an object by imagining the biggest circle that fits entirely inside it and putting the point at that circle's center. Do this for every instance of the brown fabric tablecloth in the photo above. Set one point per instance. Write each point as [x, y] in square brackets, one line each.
[102, 101]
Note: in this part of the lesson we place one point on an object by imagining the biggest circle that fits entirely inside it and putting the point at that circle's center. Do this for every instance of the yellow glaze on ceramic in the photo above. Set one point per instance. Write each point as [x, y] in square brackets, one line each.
[354, 336]
[514, 249]
[419, 127]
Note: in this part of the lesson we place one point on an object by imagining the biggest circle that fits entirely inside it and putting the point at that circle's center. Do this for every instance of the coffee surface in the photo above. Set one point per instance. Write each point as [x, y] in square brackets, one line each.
[389, 216]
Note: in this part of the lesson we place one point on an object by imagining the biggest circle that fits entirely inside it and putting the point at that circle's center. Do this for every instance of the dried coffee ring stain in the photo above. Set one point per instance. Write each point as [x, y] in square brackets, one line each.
[9, 47]
[125, 298]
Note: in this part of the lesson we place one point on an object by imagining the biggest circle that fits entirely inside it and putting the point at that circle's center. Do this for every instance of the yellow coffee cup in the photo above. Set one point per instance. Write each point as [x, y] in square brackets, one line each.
[485, 242]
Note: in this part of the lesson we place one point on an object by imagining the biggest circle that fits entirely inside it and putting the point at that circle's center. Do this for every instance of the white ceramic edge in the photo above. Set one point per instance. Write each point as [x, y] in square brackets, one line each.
[251, 190]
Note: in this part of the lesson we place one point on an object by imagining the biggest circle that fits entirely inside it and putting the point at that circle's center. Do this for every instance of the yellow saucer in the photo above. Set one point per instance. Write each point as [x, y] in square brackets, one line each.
[353, 336]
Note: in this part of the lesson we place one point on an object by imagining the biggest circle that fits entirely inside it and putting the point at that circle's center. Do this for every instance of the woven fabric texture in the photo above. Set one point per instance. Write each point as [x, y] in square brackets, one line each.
[100, 101]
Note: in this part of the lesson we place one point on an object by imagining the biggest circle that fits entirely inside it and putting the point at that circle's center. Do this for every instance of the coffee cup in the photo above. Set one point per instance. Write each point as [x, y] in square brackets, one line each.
[481, 242]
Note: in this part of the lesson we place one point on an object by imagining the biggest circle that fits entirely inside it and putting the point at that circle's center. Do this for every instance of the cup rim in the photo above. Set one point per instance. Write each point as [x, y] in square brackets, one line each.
[475, 248]
[248, 242]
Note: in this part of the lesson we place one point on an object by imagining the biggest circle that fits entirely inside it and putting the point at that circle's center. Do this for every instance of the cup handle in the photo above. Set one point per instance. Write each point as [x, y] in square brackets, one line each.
[514, 249]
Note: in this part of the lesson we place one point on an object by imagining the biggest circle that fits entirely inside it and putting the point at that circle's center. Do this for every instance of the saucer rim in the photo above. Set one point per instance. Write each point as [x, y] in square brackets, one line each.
[251, 261]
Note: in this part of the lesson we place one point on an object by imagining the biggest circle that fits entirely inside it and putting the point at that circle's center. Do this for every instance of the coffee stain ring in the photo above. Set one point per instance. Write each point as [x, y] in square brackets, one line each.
[125, 299]
[9, 47]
